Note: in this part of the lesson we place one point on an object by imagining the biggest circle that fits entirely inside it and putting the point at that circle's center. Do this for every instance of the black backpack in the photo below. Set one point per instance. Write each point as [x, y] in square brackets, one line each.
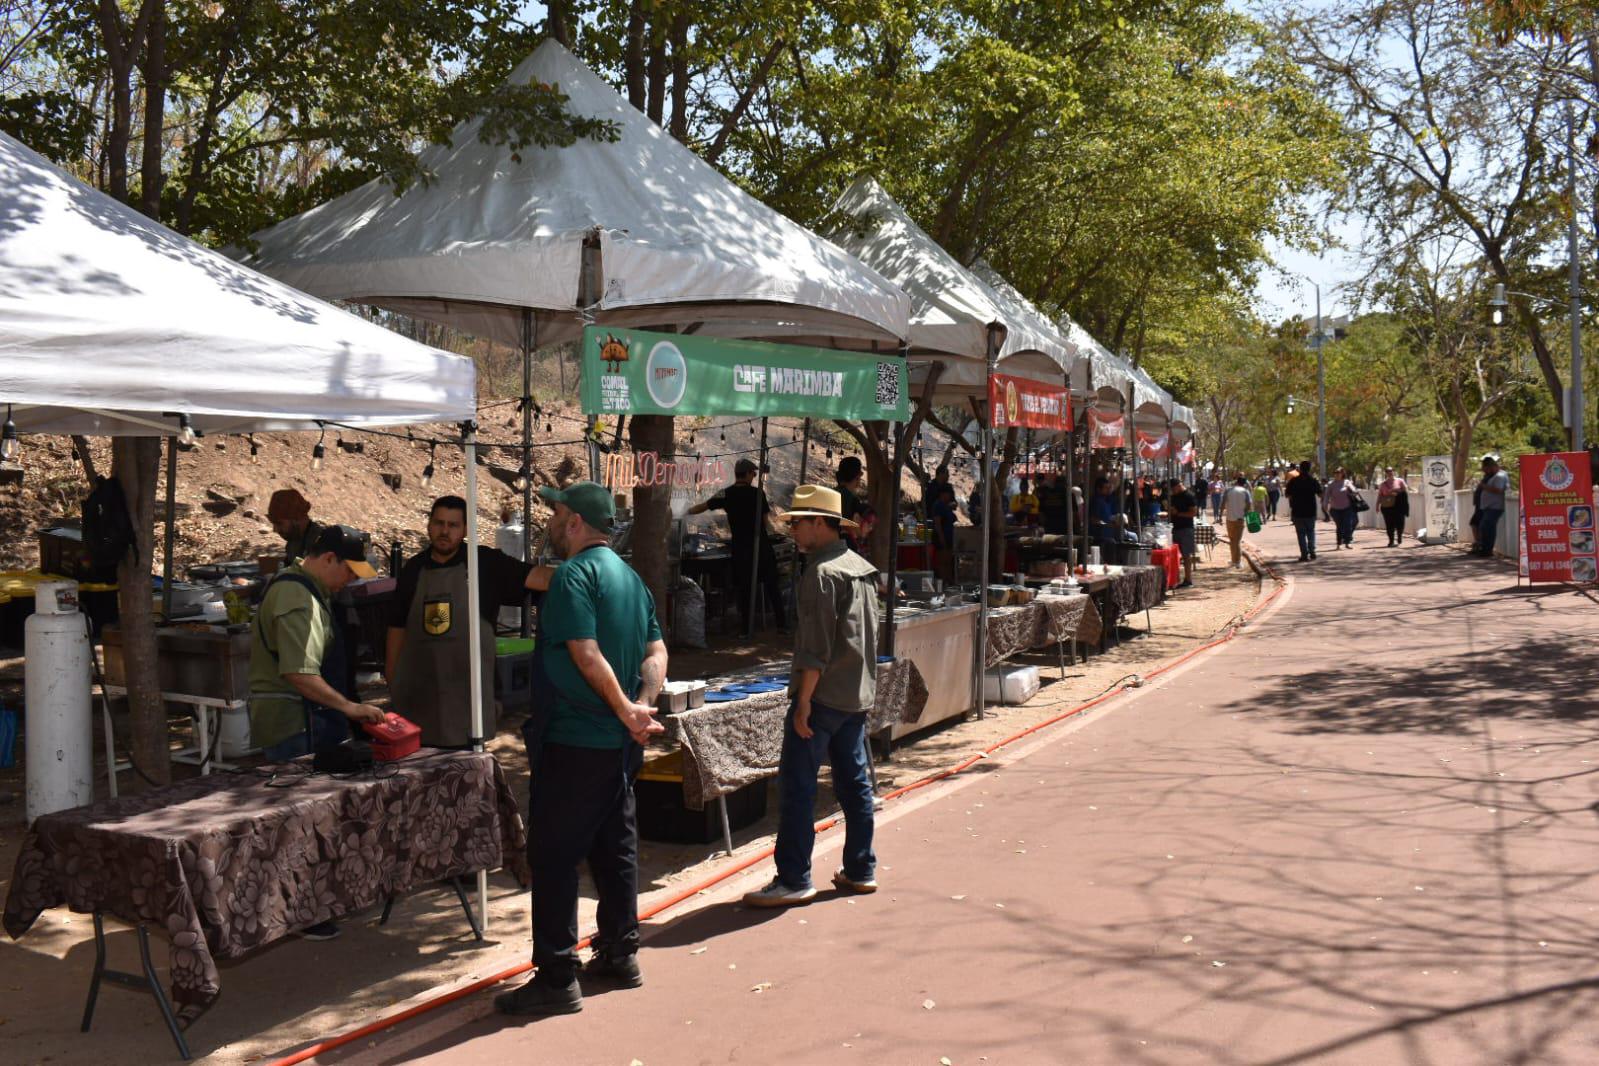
[108, 533]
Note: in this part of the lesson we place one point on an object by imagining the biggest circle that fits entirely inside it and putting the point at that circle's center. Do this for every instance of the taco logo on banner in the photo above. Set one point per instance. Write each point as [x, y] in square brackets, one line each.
[1028, 404]
[1557, 518]
[629, 371]
[1106, 431]
[1151, 446]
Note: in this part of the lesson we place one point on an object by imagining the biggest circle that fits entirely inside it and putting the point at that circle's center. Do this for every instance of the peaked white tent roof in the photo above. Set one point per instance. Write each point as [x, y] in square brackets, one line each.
[110, 323]
[495, 231]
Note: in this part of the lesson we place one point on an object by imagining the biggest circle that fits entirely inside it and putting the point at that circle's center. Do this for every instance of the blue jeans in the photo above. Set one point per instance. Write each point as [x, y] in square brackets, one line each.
[840, 738]
[1305, 530]
[1488, 529]
[1344, 521]
[330, 729]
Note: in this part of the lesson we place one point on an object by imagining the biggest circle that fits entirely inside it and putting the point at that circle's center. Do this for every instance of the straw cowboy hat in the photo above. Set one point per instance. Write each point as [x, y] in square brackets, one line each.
[820, 502]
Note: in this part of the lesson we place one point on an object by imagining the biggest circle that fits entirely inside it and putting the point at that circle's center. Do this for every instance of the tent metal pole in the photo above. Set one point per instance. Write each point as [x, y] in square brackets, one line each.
[760, 536]
[1071, 458]
[805, 462]
[171, 521]
[980, 653]
[529, 341]
[474, 624]
[893, 534]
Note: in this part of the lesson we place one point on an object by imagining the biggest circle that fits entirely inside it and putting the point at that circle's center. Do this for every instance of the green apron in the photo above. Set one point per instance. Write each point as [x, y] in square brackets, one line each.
[431, 686]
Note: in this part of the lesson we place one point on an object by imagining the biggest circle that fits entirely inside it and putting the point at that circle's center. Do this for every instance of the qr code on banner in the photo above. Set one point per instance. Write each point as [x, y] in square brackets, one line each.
[888, 384]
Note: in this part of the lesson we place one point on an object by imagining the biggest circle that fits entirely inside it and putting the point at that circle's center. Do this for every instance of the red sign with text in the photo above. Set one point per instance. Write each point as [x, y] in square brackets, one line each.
[1153, 446]
[1028, 404]
[1557, 518]
[1106, 431]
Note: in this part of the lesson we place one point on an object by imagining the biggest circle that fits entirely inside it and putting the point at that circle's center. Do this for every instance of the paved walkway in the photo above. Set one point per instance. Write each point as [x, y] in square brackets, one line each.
[1362, 833]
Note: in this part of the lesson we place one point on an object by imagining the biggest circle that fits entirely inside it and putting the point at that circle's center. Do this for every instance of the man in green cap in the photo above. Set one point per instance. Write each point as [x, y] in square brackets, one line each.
[603, 663]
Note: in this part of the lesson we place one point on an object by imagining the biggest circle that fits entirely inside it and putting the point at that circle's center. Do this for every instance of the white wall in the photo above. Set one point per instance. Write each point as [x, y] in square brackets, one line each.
[1507, 543]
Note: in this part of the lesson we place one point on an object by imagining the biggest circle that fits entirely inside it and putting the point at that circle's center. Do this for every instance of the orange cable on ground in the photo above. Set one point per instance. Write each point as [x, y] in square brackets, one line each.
[445, 998]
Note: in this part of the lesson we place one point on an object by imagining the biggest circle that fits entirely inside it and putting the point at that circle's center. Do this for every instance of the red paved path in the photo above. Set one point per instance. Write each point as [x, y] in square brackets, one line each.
[1363, 833]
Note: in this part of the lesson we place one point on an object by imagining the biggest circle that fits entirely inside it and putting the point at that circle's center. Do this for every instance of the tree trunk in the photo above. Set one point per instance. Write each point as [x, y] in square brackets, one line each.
[655, 75]
[633, 56]
[80, 447]
[994, 521]
[134, 463]
[153, 68]
[556, 22]
[652, 507]
[680, 76]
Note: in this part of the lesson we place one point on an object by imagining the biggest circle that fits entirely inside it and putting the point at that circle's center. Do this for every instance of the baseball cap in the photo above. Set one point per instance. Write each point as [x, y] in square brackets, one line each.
[591, 502]
[744, 466]
[349, 545]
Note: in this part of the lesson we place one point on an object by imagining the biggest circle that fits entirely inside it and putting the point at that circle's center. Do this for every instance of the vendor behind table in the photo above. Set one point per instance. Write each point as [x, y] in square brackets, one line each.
[426, 657]
[289, 512]
[749, 517]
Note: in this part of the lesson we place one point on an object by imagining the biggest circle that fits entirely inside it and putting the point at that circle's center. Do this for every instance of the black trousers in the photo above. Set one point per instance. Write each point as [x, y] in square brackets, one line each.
[582, 807]
[1394, 519]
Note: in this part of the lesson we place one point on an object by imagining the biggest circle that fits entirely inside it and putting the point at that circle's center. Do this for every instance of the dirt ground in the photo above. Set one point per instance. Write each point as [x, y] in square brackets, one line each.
[272, 1002]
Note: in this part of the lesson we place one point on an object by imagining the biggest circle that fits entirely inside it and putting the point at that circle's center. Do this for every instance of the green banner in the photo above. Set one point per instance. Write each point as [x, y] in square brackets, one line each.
[629, 371]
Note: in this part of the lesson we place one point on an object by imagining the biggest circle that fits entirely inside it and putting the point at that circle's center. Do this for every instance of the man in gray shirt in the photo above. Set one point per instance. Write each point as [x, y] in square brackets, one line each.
[1490, 504]
[833, 683]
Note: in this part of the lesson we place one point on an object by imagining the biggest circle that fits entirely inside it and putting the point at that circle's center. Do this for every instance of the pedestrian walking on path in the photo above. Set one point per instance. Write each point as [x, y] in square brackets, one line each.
[1393, 500]
[833, 683]
[1260, 497]
[603, 664]
[1304, 500]
[1274, 493]
[1235, 506]
[1340, 502]
[1490, 501]
[1183, 508]
[1217, 487]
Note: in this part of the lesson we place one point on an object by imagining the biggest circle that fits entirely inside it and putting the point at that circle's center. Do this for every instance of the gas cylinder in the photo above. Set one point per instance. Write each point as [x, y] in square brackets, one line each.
[58, 719]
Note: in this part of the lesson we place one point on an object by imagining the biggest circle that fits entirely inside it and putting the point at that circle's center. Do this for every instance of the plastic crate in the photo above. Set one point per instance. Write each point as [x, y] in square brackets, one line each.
[662, 815]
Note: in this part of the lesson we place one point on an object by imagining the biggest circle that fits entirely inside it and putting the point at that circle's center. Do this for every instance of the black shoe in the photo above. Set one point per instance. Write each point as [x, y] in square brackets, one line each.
[328, 930]
[1304, 558]
[616, 972]
[1312, 555]
[539, 999]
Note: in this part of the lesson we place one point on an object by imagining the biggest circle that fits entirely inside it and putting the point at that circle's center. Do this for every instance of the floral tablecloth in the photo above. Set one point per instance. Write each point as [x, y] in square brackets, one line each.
[729, 745]
[1045, 622]
[227, 863]
[1136, 588]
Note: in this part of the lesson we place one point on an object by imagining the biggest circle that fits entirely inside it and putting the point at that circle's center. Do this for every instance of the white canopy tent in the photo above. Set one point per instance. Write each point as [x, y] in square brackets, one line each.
[951, 307]
[112, 324]
[496, 233]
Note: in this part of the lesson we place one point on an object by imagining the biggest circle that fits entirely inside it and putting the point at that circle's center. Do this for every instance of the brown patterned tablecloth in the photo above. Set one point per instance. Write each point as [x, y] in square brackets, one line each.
[729, 745]
[227, 863]
[1045, 622]
[1136, 588]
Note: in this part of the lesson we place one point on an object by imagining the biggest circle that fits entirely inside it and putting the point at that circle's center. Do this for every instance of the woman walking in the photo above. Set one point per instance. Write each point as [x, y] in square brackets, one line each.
[1393, 500]
[1340, 503]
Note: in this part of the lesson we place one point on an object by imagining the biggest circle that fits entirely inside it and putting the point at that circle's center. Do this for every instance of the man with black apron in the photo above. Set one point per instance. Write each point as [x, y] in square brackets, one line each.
[427, 654]
[747, 510]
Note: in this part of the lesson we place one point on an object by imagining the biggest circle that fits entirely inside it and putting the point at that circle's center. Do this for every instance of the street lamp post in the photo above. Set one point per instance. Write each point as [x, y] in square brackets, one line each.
[1318, 339]
[1574, 401]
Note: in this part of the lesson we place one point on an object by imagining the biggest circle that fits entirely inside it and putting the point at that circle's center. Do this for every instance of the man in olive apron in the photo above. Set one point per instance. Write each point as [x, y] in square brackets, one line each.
[427, 653]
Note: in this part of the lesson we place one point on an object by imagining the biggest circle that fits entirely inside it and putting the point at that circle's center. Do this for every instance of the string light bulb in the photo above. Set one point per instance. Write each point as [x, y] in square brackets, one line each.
[427, 471]
[185, 432]
[519, 483]
[255, 450]
[319, 452]
[10, 444]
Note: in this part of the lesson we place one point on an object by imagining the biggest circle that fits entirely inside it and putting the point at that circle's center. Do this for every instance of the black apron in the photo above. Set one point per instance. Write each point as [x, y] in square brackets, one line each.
[336, 667]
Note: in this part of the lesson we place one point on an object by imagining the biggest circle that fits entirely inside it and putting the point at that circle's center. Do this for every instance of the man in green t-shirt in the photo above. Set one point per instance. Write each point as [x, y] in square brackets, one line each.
[604, 662]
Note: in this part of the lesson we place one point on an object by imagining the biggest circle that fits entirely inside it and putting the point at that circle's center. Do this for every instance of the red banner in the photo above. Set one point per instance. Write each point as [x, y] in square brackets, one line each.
[1106, 431]
[1185, 453]
[1152, 447]
[1557, 518]
[1029, 404]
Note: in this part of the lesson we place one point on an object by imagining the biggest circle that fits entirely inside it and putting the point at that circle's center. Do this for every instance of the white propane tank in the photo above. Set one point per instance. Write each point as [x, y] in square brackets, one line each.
[60, 725]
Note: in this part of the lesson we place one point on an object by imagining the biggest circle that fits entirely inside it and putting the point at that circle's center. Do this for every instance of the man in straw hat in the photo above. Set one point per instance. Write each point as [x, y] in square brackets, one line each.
[833, 683]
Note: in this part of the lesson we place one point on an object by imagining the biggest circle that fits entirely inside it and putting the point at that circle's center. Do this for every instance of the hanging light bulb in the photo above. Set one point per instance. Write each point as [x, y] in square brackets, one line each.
[724, 436]
[519, 483]
[427, 471]
[319, 452]
[10, 445]
[185, 432]
[548, 429]
[255, 450]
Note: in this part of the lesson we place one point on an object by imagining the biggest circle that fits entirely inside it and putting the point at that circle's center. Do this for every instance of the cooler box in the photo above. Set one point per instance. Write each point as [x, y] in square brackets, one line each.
[662, 815]
[1010, 684]
[513, 672]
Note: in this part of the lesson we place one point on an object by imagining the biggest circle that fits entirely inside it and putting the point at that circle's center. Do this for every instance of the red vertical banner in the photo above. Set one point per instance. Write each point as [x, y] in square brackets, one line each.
[1185, 453]
[1030, 404]
[1557, 519]
[1153, 446]
[1106, 431]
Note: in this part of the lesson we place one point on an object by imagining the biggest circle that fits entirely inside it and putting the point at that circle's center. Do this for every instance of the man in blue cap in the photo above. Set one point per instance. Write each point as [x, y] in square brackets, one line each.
[604, 663]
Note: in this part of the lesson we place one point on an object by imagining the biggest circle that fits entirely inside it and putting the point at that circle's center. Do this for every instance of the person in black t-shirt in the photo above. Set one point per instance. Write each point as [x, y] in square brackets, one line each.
[1304, 500]
[747, 512]
[1053, 503]
[1183, 508]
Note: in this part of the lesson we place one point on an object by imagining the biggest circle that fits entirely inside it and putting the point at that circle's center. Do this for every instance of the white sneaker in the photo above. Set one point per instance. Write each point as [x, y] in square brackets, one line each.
[848, 884]
[777, 894]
